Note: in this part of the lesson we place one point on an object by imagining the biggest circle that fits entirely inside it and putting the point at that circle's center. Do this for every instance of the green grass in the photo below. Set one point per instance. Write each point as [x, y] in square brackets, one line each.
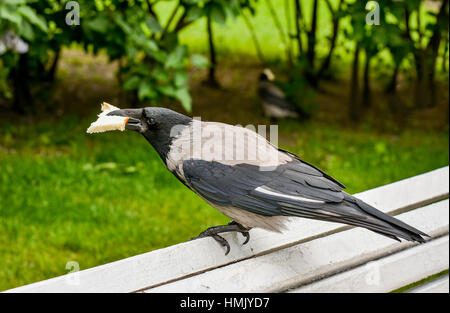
[68, 196]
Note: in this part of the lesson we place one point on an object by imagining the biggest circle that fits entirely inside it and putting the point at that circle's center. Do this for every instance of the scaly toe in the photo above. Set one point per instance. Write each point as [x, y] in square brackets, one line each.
[223, 242]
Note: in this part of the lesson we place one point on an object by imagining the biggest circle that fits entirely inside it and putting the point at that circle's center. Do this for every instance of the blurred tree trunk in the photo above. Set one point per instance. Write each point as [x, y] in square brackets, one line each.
[393, 99]
[311, 52]
[311, 75]
[298, 31]
[51, 73]
[23, 101]
[287, 15]
[212, 55]
[279, 27]
[433, 49]
[335, 22]
[254, 38]
[425, 57]
[445, 53]
[366, 81]
[354, 107]
[392, 86]
[171, 18]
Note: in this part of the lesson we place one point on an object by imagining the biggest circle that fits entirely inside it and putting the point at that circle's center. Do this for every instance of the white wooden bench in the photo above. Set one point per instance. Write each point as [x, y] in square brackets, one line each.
[312, 256]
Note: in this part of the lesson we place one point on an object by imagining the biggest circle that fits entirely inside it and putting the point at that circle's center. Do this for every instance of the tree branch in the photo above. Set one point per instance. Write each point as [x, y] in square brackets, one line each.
[182, 23]
[169, 21]
[150, 9]
[335, 19]
[279, 28]
[254, 37]
[330, 7]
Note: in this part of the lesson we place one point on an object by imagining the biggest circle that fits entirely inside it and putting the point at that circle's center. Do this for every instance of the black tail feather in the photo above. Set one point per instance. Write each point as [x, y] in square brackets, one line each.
[355, 212]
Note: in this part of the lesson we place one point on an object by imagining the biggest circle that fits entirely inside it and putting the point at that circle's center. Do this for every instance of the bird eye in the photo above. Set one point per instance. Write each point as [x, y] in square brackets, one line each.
[151, 121]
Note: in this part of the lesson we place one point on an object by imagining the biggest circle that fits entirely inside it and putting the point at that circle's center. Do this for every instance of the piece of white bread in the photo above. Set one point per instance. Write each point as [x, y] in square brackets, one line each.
[106, 123]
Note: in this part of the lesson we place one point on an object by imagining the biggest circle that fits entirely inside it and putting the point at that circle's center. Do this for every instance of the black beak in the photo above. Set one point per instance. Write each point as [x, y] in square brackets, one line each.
[135, 118]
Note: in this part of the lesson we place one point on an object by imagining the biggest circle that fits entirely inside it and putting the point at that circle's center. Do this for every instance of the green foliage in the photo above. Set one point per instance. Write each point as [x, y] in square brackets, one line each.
[152, 61]
[19, 18]
[144, 36]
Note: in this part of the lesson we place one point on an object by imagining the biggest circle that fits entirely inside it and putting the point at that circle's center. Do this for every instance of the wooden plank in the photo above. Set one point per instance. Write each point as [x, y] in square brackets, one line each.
[388, 273]
[175, 262]
[439, 285]
[411, 192]
[316, 259]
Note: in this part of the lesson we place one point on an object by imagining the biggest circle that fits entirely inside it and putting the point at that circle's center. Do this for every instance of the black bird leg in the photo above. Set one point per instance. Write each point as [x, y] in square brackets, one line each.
[232, 226]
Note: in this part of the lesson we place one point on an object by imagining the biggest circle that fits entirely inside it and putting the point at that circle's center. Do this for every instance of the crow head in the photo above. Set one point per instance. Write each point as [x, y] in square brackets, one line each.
[157, 125]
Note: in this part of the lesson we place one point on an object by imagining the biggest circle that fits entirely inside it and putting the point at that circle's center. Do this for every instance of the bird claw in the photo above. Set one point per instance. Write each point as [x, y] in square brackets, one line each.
[243, 231]
[223, 242]
[246, 234]
[214, 231]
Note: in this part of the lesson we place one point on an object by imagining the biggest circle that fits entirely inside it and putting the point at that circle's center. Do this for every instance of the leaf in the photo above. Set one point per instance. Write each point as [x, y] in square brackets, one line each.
[14, 2]
[6, 14]
[217, 14]
[194, 13]
[26, 30]
[200, 61]
[170, 41]
[153, 24]
[181, 78]
[160, 74]
[185, 98]
[122, 24]
[142, 69]
[31, 16]
[99, 24]
[130, 51]
[149, 45]
[175, 59]
[158, 55]
[167, 90]
[146, 90]
[132, 82]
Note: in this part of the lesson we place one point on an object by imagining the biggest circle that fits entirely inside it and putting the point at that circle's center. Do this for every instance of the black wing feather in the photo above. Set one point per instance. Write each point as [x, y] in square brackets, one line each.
[236, 186]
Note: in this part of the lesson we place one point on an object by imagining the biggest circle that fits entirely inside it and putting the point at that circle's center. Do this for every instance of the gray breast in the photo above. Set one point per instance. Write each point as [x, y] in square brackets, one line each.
[227, 144]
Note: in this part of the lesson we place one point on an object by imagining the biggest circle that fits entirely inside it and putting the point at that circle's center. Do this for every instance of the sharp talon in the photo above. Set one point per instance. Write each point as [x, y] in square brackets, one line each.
[223, 242]
[231, 227]
[228, 249]
[247, 237]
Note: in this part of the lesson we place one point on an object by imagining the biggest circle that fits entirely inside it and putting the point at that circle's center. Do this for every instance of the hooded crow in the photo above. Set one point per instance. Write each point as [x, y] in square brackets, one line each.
[255, 187]
[274, 101]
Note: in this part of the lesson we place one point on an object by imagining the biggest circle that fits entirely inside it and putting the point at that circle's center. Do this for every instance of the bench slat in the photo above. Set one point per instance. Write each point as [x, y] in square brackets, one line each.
[388, 273]
[439, 285]
[176, 262]
[298, 265]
